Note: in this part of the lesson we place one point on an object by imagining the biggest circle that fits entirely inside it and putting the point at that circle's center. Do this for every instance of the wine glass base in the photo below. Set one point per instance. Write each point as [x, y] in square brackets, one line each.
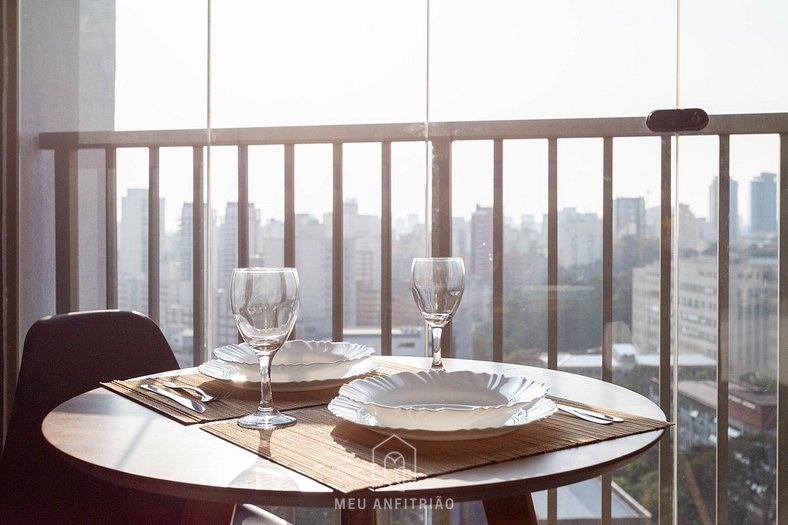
[266, 419]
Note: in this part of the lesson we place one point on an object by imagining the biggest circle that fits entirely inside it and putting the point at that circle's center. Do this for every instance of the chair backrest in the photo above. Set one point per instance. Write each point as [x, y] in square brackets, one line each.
[66, 355]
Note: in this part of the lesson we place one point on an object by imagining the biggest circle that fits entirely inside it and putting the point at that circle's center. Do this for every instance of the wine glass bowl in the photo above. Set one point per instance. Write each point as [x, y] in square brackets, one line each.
[437, 286]
[265, 307]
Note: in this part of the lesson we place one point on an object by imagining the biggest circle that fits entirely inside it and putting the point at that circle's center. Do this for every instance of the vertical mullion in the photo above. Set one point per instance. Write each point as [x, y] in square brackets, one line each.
[111, 222]
[198, 254]
[385, 250]
[338, 247]
[666, 222]
[552, 285]
[723, 297]
[607, 297]
[153, 233]
[497, 242]
[66, 231]
[782, 330]
[243, 205]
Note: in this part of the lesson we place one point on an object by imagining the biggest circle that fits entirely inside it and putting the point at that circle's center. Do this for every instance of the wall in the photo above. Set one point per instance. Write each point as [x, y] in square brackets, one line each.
[67, 77]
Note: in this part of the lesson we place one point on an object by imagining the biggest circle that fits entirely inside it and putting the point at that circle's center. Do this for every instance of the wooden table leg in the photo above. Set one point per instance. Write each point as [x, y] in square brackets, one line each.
[358, 516]
[513, 510]
[207, 513]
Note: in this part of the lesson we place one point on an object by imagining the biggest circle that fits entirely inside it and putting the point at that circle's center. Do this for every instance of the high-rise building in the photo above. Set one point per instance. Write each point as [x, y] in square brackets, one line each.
[752, 311]
[629, 216]
[763, 204]
[133, 249]
[481, 241]
[733, 211]
[579, 238]
[226, 243]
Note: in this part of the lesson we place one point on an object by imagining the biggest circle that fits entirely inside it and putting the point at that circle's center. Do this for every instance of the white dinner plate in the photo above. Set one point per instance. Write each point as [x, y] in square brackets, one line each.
[443, 400]
[300, 360]
[248, 376]
[357, 413]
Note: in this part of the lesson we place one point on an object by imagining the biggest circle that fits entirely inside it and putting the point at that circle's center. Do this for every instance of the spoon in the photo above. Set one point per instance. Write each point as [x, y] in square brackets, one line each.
[205, 398]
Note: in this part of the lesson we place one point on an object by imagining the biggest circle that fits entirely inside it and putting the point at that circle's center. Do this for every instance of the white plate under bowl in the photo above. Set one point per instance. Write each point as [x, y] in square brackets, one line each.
[299, 360]
[357, 413]
[248, 376]
[443, 400]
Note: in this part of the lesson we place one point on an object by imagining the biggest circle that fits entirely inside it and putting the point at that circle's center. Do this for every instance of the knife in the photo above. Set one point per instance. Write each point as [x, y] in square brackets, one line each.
[592, 413]
[188, 403]
[582, 414]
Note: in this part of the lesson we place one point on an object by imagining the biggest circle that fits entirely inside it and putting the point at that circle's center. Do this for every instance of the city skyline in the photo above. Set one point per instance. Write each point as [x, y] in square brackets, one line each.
[762, 210]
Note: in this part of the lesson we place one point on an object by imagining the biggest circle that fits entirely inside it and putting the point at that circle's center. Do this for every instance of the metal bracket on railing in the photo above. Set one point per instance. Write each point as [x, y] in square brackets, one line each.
[677, 120]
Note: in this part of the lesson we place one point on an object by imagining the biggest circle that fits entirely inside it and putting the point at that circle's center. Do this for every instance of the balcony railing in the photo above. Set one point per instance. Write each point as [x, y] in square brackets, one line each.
[440, 136]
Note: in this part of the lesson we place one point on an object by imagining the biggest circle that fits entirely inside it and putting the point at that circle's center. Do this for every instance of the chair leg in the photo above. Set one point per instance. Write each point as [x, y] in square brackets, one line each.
[508, 511]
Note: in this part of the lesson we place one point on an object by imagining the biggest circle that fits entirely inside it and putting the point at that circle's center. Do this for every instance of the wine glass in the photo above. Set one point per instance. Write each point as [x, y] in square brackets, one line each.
[437, 286]
[265, 306]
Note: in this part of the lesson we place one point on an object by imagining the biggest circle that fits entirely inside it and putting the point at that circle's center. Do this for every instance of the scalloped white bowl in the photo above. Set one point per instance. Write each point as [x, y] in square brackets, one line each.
[298, 360]
[356, 413]
[443, 400]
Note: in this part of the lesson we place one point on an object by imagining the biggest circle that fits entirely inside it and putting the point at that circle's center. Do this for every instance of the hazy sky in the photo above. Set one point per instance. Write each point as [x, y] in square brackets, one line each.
[315, 62]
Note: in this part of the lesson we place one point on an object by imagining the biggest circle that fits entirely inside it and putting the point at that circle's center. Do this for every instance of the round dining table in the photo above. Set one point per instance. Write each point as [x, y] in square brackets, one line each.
[121, 441]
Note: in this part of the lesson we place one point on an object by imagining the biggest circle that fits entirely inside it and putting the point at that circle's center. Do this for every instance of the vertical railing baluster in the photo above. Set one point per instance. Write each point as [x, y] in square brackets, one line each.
[289, 226]
[441, 214]
[153, 233]
[441, 201]
[111, 221]
[289, 182]
[552, 254]
[385, 249]
[243, 206]
[782, 329]
[498, 251]
[66, 231]
[723, 289]
[607, 260]
[665, 251]
[198, 254]
[552, 285]
[338, 248]
[607, 297]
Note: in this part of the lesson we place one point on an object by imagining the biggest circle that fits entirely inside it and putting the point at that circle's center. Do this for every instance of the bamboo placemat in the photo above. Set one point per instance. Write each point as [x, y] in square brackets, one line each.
[233, 402]
[348, 457]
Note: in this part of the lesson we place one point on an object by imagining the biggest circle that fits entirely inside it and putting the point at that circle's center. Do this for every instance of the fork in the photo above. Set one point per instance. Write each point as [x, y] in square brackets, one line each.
[205, 397]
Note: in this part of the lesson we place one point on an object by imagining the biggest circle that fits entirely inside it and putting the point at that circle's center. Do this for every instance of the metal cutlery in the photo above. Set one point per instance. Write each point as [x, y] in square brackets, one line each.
[204, 396]
[600, 415]
[188, 403]
[589, 415]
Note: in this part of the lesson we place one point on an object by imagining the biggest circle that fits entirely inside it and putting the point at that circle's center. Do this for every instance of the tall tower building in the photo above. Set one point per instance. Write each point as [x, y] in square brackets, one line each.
[133, 249]
[481, 241]
[763, 203]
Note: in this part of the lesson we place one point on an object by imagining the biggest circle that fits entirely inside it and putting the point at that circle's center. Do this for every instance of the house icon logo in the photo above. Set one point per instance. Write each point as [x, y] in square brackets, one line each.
[394, 459]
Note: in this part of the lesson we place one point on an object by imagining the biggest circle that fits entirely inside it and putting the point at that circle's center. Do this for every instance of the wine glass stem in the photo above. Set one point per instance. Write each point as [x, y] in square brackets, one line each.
[437, 362]
[266, 397]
